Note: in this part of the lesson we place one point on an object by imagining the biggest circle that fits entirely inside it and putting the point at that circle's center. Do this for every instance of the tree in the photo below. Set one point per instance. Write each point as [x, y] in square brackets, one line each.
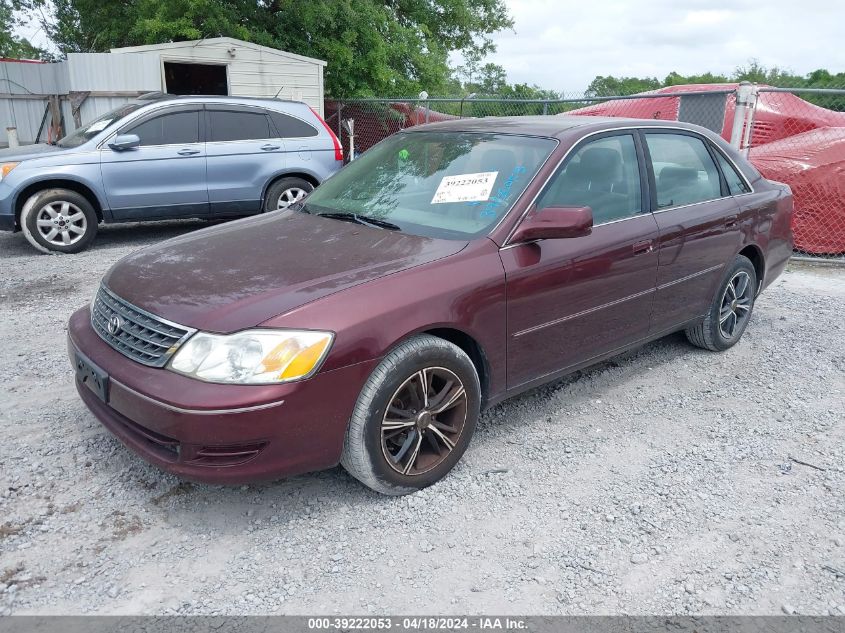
[675, 79]
[611, 86]
[12, 45]
[774, 76]
[373, 47]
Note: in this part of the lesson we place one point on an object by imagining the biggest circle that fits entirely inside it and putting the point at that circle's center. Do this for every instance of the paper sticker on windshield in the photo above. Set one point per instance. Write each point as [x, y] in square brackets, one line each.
[97, 126]
[465, 188]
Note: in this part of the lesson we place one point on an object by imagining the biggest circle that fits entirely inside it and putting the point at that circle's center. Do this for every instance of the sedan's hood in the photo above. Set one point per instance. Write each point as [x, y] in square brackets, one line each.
[11, 154]
[240, 274]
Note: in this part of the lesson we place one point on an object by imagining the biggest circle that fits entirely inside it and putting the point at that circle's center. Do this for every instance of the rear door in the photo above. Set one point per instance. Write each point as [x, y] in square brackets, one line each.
[698, 221]
[244, 153]
[166, 176]
[304, 145]
[572, 300]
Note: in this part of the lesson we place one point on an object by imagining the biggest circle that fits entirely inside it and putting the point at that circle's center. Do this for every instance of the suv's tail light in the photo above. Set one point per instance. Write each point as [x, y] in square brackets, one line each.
[338, 150]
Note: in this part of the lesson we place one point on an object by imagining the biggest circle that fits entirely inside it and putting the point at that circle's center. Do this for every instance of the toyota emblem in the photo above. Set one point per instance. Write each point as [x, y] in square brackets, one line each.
[115, 323]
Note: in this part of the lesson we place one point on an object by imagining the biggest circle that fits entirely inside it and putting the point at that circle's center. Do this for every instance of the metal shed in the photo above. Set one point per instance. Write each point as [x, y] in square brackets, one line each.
[86, 85]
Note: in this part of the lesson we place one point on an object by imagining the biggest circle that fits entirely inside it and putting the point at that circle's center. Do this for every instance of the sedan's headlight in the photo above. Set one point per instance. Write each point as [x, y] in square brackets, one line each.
[5, 168]
[252, 356]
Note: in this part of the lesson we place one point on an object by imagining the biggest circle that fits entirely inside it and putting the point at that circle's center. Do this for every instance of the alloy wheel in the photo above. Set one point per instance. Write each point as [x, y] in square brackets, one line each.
[735, 308]
[289, 196]
[423, 421]
[61, 223]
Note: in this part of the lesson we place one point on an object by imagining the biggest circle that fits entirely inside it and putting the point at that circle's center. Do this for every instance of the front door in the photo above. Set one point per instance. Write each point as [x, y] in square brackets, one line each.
[572, 300]
[163, 178]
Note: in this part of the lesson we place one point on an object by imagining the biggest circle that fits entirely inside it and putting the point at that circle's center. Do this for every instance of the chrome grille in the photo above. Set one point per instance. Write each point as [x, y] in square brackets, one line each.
[142, 336]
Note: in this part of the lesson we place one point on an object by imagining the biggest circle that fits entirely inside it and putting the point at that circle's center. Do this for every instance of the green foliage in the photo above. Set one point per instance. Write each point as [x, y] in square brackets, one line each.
[614, 86]
[675, 79]
[12, 45]
[753, 71]
[373, 47]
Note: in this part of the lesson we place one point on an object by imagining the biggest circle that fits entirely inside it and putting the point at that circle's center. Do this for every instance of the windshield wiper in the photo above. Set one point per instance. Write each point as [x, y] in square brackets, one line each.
[362, 219]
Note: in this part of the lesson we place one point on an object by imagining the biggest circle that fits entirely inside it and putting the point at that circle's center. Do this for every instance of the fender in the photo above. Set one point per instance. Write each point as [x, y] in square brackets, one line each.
[54, 179]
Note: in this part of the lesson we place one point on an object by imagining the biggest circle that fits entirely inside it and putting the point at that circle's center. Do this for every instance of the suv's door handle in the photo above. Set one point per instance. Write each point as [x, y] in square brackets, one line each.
[270, 148]
[641, 248]
[731, 221]
[188, 152]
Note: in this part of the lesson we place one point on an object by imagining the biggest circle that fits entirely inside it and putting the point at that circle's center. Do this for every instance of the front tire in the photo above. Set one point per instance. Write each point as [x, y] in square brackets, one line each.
[59, 220]
[414, 417]
[285, 192]
[730, 311]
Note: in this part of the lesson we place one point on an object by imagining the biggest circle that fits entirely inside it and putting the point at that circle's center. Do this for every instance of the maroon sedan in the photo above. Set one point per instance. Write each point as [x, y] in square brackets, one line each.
[450, 267]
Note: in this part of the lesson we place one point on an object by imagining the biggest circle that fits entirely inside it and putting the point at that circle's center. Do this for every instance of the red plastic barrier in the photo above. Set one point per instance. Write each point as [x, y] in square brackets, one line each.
[813, 165]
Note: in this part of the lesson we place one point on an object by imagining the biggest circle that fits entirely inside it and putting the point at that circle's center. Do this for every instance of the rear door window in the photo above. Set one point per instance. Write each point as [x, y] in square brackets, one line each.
[238, 125]
[736, 183]
[175, 128]
[684, 171]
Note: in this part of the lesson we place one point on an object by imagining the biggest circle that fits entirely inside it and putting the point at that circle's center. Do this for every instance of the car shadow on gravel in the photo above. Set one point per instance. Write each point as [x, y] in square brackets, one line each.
[582, 385]
[231, 509]
[130, 235]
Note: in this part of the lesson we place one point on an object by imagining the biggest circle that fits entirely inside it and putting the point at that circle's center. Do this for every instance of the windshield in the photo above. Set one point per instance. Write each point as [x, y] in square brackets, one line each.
[454, 185]
[89, 131]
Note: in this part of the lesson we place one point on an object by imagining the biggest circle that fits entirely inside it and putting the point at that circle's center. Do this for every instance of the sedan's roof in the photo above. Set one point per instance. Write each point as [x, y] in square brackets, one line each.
[550, 125]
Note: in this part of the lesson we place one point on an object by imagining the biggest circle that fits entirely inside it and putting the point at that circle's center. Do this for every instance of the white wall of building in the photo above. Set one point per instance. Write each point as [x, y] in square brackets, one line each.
[252, 71]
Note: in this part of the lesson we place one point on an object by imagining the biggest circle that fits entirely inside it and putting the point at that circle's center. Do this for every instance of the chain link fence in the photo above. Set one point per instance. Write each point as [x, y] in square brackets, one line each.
[796, 136]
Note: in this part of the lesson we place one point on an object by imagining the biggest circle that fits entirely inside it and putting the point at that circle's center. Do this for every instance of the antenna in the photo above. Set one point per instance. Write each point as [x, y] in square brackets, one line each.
[279, 92]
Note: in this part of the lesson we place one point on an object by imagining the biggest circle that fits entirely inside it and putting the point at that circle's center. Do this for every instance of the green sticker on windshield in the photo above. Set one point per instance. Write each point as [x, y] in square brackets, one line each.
[404, 154]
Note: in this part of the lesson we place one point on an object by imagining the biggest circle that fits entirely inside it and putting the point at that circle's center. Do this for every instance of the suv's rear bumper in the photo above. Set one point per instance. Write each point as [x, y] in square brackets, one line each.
[219, 433]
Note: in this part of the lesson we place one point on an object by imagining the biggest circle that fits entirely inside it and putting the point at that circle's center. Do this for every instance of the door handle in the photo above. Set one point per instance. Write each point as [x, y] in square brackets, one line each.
[270, 148]
[731, 221]
[188, 152]
[641, 248]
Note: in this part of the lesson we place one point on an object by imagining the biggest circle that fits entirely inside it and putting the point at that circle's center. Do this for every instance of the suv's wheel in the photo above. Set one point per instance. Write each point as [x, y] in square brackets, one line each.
[283, 193]
[730, 311]
[59, 220]
[414, 418]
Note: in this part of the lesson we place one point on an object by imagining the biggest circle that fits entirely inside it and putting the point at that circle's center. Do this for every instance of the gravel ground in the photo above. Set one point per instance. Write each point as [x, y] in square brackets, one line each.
[666, 481]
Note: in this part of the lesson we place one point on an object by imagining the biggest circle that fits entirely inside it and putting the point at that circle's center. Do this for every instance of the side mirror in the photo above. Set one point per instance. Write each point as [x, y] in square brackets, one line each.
[125, 141]
[555, 223]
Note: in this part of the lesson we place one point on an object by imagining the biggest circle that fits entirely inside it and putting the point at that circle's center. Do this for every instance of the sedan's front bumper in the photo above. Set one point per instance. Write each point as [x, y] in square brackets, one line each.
[219, 433]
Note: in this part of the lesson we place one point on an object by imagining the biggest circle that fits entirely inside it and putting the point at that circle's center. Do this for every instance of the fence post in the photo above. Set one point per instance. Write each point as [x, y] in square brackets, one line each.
[545, 108]
[743, 96]
[12, 137]
[751, 110]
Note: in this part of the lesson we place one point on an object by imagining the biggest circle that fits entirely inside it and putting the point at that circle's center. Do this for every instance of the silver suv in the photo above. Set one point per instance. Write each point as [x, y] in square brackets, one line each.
[163, 157]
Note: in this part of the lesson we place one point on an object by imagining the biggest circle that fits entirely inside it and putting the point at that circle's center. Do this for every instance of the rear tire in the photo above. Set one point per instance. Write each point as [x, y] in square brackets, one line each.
[402, 438]
[730, 311]
[283, 193]
[59, 221]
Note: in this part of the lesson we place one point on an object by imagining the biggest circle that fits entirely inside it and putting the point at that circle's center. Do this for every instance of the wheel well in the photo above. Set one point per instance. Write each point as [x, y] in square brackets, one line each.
[35, 187]
[472, 349]
[754, 254]
[307, 177]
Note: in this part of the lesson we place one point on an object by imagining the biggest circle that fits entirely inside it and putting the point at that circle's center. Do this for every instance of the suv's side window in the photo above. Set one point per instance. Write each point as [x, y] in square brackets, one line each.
[684, 171]
[604, 175]
[175, 128]
[291, 127]
[736, 184]
[238, 125]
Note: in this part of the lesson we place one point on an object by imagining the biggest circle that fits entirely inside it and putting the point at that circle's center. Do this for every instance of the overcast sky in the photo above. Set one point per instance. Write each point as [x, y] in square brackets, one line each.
[562, 45]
